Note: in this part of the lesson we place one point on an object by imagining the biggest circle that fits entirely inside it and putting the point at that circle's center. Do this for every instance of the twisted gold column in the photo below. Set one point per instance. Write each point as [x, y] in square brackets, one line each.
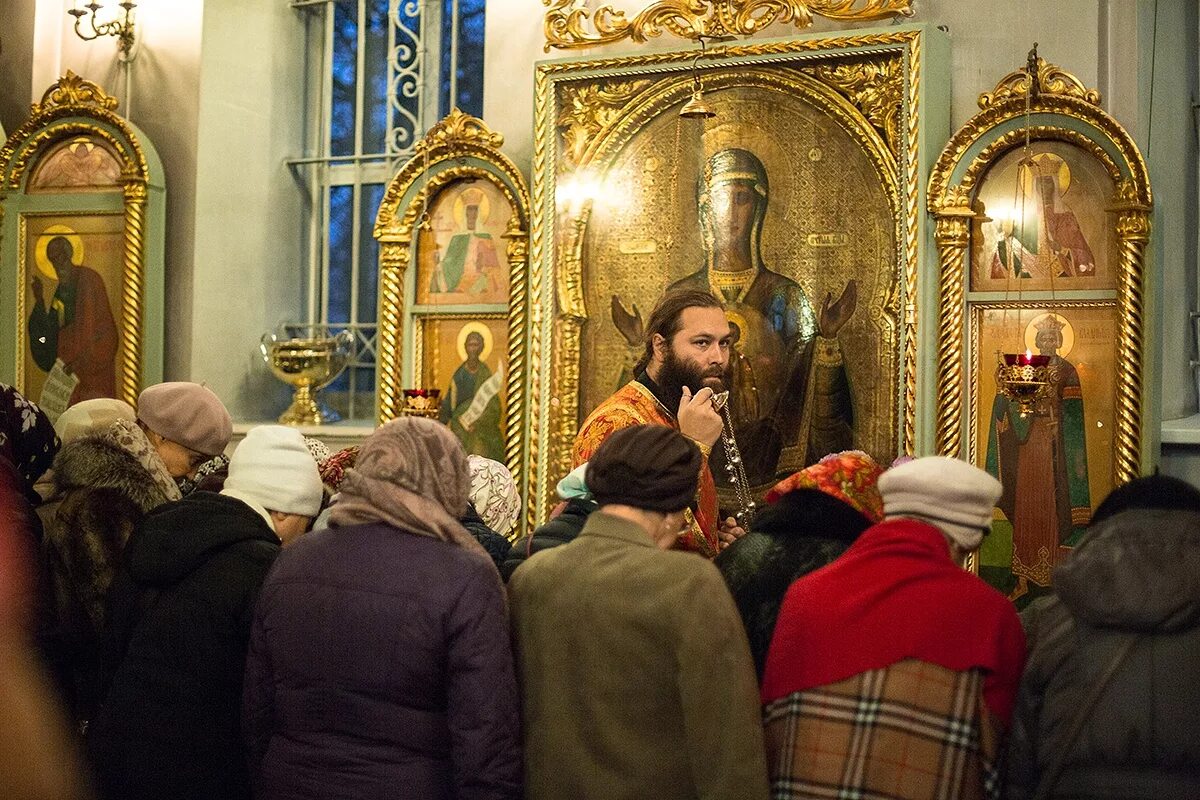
[518, 323]
[393, 263]
[133, 289]
[1133, 232]
[952, 237]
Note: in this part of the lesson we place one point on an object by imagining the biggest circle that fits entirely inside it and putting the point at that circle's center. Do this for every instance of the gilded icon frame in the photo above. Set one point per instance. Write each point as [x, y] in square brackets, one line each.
[876, 83]
[75, 107]
[458, 151]
[1033, 112]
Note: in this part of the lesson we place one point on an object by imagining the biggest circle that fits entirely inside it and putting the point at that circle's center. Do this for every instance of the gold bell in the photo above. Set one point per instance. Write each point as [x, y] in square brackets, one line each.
[696, 108]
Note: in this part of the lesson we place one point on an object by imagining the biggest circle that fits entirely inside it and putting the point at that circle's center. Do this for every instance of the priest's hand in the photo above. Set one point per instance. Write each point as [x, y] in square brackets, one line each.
[698, 419]
[835, 314]
[729, 532]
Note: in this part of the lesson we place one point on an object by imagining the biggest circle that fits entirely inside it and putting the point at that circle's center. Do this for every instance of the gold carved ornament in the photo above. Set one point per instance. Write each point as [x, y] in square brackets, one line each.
[71, 107]
[592, 122]
[460, 147]
[1059, 108]
[569, 24]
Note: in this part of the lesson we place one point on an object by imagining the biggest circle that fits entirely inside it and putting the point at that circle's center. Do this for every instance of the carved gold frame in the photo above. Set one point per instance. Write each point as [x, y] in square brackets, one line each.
[74, 106]
[1063, 110]
[568, 24]
[458, 148]
[872, 80]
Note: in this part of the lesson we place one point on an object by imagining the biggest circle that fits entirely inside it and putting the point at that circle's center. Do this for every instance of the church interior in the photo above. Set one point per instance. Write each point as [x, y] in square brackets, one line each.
[960, 228]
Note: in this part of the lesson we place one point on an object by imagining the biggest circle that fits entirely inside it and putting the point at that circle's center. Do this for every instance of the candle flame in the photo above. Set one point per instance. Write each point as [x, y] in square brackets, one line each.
[1028, 354]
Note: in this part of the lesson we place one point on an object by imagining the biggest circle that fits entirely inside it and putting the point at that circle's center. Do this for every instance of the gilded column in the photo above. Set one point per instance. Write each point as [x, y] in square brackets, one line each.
[566, 372]
[1133, 233]
[393, 263]
[133, 291]
[953, 235]
[518, 323]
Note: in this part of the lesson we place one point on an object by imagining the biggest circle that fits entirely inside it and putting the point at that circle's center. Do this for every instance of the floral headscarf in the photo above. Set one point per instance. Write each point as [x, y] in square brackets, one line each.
[850, 476]
[494, 494]
[27, 437]
[333, 469]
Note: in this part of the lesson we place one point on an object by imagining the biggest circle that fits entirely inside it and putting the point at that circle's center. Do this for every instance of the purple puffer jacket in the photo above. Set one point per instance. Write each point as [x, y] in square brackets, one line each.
[380, 666]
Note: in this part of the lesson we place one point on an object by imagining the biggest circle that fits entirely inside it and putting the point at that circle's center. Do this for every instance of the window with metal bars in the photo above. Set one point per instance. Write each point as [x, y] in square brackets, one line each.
[380, 73]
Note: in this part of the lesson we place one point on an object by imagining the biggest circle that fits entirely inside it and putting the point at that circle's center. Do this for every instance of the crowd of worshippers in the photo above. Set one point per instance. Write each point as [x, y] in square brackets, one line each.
[294, 623]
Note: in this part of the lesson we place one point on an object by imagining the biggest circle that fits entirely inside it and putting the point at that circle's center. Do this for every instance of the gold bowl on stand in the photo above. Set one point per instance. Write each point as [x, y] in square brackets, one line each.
[306, 357]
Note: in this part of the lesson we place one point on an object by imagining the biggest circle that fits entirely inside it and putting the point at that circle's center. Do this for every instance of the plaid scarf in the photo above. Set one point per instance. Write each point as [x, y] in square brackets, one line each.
[911, 730]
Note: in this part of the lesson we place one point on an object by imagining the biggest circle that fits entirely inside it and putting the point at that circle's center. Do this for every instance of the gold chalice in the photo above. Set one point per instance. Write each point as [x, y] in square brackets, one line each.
[306, 357]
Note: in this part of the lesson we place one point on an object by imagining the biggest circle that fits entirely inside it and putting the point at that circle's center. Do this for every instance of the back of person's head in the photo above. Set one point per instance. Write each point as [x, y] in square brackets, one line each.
[91, 416]
[811, 513]
[27, 438]
[953, 496]
[651, 467]
[273, 467]
[187, 413]
[1158, 492]
[494, 494]
[851, 476]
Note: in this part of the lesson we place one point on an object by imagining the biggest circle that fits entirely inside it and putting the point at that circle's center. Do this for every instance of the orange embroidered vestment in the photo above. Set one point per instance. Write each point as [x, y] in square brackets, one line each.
[634, 404]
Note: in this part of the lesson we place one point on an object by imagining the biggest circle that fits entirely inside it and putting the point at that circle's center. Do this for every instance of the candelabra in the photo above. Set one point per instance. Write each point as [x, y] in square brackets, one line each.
[121, 27]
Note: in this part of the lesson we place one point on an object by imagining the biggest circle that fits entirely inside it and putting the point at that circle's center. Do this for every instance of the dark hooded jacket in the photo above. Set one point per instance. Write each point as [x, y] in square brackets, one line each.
[1137, 574]
[802, 531]
[103, 492]
[180, 613]
[559, 530]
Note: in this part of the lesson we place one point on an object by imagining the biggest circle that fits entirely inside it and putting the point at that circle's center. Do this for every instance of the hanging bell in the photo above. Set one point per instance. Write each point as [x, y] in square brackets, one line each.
[697, 108]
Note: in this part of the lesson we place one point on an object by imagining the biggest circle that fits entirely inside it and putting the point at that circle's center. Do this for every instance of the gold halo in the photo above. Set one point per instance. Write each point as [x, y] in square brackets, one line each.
[482, 330]
[1047, 164]
[43, 263]
[743, 327]
[1068, 334]
[480, 198]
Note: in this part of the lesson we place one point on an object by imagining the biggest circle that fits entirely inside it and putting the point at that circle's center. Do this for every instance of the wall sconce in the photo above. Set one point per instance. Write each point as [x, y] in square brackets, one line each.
[122, 28]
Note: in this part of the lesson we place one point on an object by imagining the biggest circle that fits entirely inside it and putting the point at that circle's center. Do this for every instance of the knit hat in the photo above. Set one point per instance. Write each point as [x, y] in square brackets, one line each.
[850, 476]
[493, 494]
[652, 467]
[188, 414]
[90, 416]
[947, 493]
[333, 469]
[273, 468]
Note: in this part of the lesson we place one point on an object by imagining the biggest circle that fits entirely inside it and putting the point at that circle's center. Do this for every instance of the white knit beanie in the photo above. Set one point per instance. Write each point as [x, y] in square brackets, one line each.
[949, 494]
[273, 467]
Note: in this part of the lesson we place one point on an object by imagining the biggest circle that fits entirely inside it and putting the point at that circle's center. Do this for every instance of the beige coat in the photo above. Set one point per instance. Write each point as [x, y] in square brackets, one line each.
[636, 674]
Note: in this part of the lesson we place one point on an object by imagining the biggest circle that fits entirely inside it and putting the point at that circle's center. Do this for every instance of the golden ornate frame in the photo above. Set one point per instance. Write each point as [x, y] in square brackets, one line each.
[458, 148]
[869, 82]
[566, 22]
[1061, 109]
[70, 107]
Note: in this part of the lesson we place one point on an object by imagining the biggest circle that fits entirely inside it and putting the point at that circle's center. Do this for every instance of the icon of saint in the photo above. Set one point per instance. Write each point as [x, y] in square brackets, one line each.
[77, 324]
[471, 263]
[471, 405]
[1041, 459]
[802, 400]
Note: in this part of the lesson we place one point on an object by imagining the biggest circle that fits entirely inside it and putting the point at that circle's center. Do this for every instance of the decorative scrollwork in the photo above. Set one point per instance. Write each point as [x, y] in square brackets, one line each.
[72, 90]
[566, 22]
[1051, 79]
[876, 88]
[589, 108]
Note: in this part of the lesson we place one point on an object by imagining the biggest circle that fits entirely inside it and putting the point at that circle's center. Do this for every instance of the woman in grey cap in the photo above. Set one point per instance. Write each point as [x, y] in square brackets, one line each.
[187, 424]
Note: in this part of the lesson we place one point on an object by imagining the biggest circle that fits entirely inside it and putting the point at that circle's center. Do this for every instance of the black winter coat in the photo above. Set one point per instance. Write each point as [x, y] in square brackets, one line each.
[1135, 574]
[560, 530]
[802, 531]
[103, 492]
[183, 602]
